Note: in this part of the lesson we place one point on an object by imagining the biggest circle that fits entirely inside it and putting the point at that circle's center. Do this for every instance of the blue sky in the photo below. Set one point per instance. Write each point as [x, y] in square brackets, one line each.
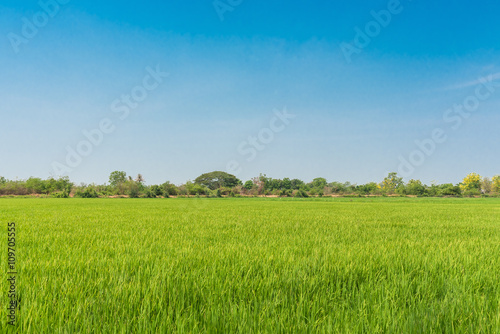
[354, 120]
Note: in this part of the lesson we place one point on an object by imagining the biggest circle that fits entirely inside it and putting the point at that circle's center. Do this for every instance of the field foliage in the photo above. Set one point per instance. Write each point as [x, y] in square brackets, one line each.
[379, 265]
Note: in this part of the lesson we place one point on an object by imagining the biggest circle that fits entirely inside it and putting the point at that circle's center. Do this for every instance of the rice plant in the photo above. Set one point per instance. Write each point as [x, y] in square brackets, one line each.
[381, 265]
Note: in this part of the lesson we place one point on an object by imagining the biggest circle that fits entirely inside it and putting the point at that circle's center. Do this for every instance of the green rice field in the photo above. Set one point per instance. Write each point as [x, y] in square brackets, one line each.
[244, 265]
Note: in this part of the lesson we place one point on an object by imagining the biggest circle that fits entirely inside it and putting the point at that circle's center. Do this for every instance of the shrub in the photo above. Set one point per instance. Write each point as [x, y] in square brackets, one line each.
[148, 193]
[170, 189]
[248, 185]
[156, 190]
[133, 192]
[415, 187]
[286, 193]
[449, 189]
[224, 190]
[60, 194]
[472, 193]
[87, 193]
[301, 193]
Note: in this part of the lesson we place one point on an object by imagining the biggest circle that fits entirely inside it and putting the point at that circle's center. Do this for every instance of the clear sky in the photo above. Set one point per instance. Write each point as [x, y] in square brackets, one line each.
[364, 81]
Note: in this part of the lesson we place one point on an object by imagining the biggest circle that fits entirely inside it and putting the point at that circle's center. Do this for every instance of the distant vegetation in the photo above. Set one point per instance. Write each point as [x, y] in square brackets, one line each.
[221, 184]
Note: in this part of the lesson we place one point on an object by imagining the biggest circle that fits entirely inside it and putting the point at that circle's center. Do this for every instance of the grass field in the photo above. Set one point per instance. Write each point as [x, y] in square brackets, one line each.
[381, 265]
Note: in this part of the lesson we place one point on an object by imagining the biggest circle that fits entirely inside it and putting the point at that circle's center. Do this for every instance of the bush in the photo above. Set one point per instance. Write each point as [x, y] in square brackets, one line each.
[415, 187]
[301, 193]
[224, 190]
[449, 189]
[170, 189]
[248, 185]
[87, 193]
[156, 191]
[133, 192]
[212, 194]
[196, 189]
[60, 194]
[148, 193]
[286, 193]
[472, 193]
[371, 188]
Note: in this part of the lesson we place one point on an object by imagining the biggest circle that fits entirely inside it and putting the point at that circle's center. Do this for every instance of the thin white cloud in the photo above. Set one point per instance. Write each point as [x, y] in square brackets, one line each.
[494, 77]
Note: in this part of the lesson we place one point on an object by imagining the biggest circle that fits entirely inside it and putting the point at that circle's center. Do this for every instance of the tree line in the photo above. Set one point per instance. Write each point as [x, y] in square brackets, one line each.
[222, 184]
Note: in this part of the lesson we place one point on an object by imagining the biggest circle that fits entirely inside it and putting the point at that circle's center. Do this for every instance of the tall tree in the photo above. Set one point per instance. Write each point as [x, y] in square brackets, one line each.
[471, 182]
[139, 179]
[117, 177]
[319, 183]
[391, 182]
[217, 179]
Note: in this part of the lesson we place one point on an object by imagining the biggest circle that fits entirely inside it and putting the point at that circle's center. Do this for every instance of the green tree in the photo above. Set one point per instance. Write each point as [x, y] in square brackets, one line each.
[217, 179]
[415, 187]
[36, 185]
[248, 185]
[117, 178]
[448, 189]
[169, 189]
[296, 184]
[273, 184]
[286, 183]
[156, 190]
[196, 188]
[64, 184]
[365, 189]
[319, 183]
[337, 187]
[392, 182]
[133, 190]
